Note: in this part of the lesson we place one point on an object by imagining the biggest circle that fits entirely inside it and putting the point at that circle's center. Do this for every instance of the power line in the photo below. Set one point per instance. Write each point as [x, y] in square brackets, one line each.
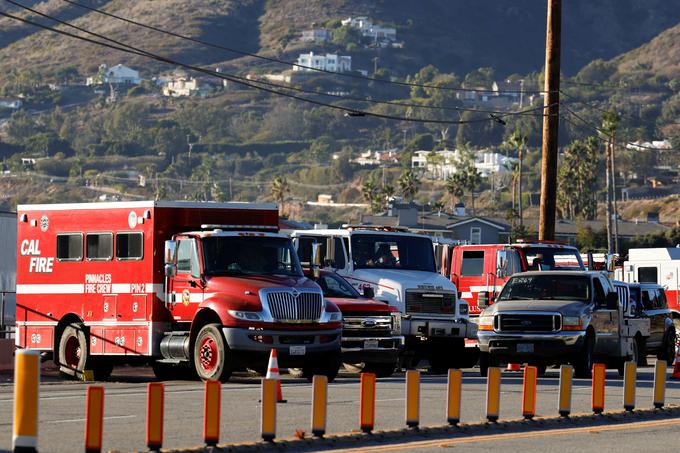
[133, 50]
[276, 60]
[298, 89]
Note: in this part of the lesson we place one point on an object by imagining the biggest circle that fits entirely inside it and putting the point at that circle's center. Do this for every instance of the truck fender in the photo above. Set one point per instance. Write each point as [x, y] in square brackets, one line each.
[203, 316]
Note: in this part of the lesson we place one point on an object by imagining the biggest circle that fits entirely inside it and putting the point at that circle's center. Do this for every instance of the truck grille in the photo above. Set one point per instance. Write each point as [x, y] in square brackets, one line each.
[299, 307]
[378, 326]
[430, 302]
[528, 322]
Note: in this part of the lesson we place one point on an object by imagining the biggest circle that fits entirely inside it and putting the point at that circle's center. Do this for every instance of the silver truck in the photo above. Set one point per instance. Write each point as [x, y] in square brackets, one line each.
[556, 317]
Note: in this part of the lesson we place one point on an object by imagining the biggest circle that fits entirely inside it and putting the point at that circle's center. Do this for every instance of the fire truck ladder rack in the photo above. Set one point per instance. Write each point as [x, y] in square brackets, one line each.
[211, 226]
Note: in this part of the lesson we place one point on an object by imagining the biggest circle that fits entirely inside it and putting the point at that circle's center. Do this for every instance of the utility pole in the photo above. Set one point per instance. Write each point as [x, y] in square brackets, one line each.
[608, 182]
[616, 210]
[551, 110]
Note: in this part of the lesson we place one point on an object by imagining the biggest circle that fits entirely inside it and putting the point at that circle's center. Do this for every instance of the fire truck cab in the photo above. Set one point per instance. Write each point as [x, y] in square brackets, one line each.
[211, 285]
[480, 271]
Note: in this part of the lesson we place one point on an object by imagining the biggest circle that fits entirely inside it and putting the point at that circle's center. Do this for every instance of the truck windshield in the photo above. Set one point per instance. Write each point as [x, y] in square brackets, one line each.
[250, 255]
[390, 251]
[546, 258]
[542, 287]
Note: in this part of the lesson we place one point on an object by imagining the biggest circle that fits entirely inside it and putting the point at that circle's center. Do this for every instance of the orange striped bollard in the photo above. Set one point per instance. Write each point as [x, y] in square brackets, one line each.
[94, 419]
[564, 398]
[211, 412]
[629, 382]
[599, 373]
[268, 415]
[154, 416]
[26, 398]
[319, 405]
[529, 392]
[493, 394]
[412, 398]
[367, 402]
[659, 384]
[453, 389]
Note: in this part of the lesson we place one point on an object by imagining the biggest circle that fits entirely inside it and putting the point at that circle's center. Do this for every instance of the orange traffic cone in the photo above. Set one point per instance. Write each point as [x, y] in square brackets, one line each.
[676, 365]
[273, 373]
[513, 367]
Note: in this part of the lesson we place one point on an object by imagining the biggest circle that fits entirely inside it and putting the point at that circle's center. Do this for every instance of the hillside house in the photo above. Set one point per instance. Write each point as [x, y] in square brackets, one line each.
[445, 163]
[370, 30]
[374, 158]
[11, 103]
[117, 75]
[316, 35]
[328, 62]
[186, 86]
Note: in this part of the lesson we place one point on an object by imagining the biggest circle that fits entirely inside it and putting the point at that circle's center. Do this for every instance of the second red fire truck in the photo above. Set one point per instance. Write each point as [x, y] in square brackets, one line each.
[211, 285]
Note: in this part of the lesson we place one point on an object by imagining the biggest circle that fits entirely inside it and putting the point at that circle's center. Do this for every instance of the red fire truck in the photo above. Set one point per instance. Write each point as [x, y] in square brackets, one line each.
[480, 271]
[212, 285]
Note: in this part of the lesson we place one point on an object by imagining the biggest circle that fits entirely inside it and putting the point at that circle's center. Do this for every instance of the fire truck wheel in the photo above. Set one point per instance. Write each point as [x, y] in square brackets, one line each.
[329, 368]
[211, 354]
[73, 351]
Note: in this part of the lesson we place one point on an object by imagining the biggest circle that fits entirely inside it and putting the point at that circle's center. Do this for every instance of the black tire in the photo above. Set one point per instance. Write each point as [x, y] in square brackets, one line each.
[667, 351]
[583, 361]
[212, 357]
[73, 351]
[326, 365]
[445, 356]
[470, 358]
[381, 370]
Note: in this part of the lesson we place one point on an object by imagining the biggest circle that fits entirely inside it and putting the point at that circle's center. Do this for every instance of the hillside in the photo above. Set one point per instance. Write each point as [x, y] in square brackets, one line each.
[452, 35]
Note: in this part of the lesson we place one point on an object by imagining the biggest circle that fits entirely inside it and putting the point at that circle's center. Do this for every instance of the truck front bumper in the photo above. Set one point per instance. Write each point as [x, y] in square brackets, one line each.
[293, 347]
[412, 325]
[543, 346]
[371, 349]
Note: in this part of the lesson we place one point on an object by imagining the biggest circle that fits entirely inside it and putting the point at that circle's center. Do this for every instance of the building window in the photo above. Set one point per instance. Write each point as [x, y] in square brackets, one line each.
[475, 235]
[129, 246]
[99, 246]
[70, 247]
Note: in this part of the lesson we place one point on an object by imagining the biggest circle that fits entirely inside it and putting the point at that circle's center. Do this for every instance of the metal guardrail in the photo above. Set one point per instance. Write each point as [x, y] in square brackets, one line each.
[6, 329]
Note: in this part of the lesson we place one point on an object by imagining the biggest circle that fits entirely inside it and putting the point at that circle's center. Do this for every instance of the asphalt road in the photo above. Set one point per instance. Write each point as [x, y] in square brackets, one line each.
[62, 410]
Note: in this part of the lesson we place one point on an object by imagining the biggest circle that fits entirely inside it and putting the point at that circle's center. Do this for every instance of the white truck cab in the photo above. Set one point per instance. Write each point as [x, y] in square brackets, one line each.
[399, 268]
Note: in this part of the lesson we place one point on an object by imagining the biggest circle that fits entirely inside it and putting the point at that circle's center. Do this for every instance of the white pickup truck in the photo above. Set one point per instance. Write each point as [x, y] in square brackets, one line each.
[399, 268]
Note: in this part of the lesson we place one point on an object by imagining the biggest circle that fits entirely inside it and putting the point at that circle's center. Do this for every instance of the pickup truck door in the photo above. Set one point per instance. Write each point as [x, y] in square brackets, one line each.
[607, 322]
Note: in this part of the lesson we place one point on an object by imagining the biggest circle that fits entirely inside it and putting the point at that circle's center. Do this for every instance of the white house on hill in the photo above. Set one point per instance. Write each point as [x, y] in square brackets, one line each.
[118, 74]
[328, 62]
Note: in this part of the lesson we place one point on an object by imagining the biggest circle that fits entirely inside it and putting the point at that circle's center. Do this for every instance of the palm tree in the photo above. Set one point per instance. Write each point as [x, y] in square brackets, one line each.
[409, 184]
[280, 189]
[518, 140]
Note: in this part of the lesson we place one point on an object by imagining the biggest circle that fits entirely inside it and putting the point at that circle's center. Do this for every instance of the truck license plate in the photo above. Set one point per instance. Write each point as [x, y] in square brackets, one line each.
[298, 350]
[525, 347]
[371, 344]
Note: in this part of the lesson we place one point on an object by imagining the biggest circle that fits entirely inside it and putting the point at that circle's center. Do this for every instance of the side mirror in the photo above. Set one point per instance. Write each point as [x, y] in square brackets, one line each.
[369, 293]
[501, 264]
[316, 260]
[483, 299]
[612, 301]
[170, 251]
[329, 259]
[170, 270]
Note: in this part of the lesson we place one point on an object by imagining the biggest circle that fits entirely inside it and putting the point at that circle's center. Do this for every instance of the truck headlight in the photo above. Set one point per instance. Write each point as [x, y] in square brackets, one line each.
[333, 316]
[485, 322]
[572, 323]
[246, 315]
[463, 308]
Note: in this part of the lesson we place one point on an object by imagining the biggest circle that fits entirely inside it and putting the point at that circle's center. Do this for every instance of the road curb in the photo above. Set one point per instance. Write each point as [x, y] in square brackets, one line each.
[449, 432]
